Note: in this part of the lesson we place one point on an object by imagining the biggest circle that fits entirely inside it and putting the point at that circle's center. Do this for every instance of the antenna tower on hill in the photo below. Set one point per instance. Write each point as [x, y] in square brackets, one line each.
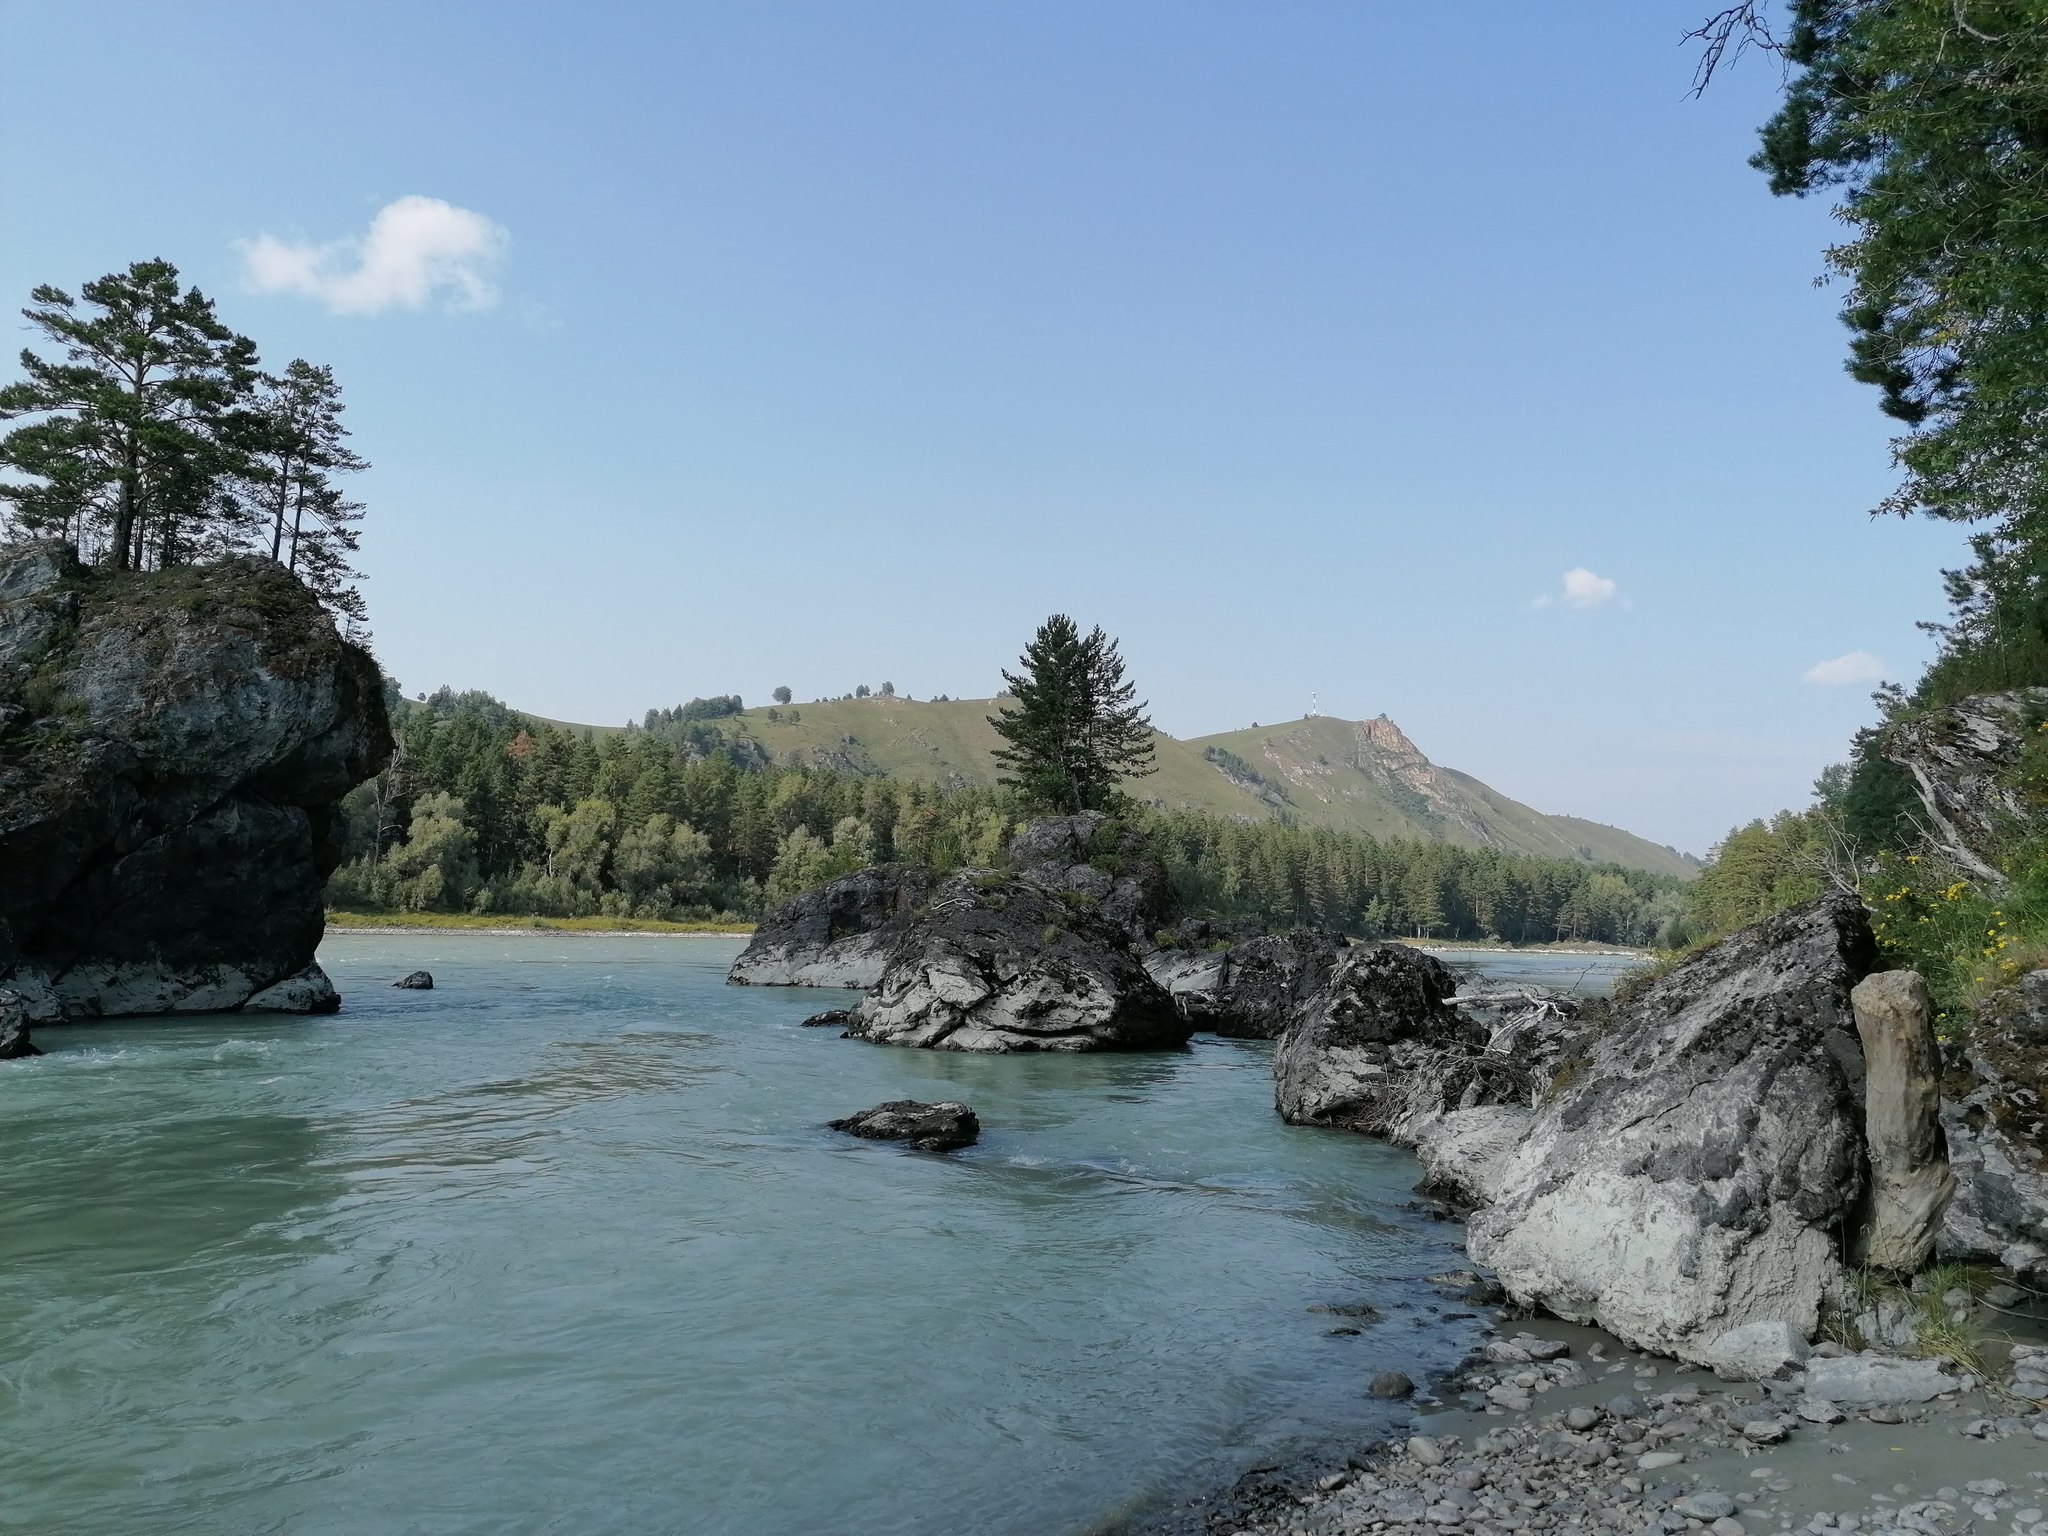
[1315, 706]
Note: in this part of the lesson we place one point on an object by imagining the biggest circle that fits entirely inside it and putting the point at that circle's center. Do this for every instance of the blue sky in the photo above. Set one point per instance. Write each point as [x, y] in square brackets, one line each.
[1305, 347]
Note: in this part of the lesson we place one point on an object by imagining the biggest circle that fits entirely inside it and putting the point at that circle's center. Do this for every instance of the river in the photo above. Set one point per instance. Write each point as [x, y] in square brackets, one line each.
[562, 1246]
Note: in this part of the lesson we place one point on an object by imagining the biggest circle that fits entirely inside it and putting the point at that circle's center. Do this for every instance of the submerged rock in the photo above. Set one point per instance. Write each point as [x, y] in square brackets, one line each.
[928, 1127]
[1699, 1172]
[173, 749]
[14, 1040]
[308, 992]
[416, 981]
[835, 936]
[997, 963]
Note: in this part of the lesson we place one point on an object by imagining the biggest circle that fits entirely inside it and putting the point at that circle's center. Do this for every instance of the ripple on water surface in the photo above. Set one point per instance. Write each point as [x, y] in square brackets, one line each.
[562, 1246]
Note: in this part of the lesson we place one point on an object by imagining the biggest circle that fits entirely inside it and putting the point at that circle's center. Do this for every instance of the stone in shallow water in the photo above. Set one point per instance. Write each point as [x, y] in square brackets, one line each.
[417, 981]
[14, 1041]
[1391, 1384]
[308, 992]
[1708, 1504]
[928, 1127]
[1877, 1379]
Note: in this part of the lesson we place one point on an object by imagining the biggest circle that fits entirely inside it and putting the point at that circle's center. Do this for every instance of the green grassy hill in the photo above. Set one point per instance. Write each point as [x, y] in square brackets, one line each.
[1352, 775]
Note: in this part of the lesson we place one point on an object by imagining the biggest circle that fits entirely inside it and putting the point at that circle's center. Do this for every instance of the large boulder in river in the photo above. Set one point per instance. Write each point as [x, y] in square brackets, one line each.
[838, 935]
[173, 748]
[1690, 1184]
[998, 963]
[1379, 1044]
[942, 1127]
[1260, 986]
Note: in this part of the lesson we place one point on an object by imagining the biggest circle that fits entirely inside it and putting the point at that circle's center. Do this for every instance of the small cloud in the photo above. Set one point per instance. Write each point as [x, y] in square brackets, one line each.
[1842, 671]
[1583, 589]
[416, 248]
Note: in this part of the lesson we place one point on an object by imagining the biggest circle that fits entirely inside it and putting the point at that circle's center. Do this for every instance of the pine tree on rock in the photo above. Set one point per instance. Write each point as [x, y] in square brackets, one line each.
[129, 433]
[1078, 728]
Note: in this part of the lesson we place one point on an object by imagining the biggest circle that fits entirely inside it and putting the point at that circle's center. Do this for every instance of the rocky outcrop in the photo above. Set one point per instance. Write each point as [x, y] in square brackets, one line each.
[1259, 986]
[1996, 1125]
[1100, 865]
[308, 992]
[173, 747]
[1699, 1171]
[14, 1041]
[1909, 1172]
[1379, 1046]
[1961, 760]
[416, 981]
[928, 1127]
[998, 963]
[835, 936]
[1464, 1152]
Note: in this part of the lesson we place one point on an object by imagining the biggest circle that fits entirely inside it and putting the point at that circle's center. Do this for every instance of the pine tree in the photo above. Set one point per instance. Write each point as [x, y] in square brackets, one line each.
[1077, 728]
[130, 434]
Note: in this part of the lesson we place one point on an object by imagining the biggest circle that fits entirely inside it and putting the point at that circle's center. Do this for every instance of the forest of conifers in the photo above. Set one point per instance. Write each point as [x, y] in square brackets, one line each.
[486, 810]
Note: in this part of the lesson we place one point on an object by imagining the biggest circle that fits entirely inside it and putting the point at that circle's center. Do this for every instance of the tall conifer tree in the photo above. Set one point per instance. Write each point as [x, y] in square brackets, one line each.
[1078, 727]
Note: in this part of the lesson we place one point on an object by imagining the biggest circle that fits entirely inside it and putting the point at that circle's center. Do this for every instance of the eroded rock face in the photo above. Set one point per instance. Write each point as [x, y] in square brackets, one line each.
[1377, 1045]
[1112, 872]
[173, 747]
[835, 936]
[1260, 985]
[928, 1127]
[998, 963]
[1997, 1133]
[1699, 1171]
[1959, 758]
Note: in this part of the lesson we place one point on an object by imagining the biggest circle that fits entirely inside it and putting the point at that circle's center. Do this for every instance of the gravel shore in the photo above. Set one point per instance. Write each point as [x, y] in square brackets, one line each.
[1566, 1430]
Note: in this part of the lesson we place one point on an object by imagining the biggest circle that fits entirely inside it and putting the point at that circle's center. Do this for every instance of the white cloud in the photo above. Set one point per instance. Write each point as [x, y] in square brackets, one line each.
[1856, 667]
[1583, 589]
[416, 248]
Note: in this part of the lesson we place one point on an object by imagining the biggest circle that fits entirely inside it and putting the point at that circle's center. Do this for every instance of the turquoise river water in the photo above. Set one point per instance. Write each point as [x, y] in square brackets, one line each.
[563, 1246]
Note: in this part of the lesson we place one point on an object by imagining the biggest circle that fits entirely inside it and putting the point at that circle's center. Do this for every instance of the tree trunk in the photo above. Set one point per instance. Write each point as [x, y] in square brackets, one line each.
[120, 546]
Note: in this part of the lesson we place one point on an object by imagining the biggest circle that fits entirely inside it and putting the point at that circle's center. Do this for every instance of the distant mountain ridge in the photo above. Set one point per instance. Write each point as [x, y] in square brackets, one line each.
[1349, 775]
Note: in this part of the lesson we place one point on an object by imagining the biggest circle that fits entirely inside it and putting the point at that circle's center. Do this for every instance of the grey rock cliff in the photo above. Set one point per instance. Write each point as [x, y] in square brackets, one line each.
[1692, 1183]
[835, 936]
[1959, 759]
[173, 747]
[1996, 1123]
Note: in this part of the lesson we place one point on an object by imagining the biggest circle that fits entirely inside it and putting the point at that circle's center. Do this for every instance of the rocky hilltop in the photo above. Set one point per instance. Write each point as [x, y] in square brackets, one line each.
[173, 746]
[1347, 775]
